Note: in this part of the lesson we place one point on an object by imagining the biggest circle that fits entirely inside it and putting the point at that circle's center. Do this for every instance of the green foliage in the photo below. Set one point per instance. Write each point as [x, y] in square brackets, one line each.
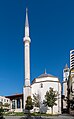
[1, 111]
[36, 100]
[1, 104]
[14, 114]
[19, 113]
[6, 105]
[22, 114]
[51, 98]
[29, 103]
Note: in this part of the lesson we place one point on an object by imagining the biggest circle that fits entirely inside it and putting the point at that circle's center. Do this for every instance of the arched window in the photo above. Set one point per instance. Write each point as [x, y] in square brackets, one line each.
[41, 85]
[18, 103]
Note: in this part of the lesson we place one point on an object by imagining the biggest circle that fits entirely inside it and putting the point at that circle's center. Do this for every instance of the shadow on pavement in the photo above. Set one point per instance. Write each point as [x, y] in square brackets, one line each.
[31, 117]
[2, 117]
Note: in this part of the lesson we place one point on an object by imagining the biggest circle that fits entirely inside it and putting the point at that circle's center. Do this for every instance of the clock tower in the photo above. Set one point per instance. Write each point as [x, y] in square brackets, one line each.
[65, 79]
[65, 85]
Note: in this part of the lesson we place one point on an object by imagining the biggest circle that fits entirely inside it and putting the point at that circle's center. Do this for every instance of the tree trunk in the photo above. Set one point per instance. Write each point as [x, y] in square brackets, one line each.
[51, 110]
[29, 115]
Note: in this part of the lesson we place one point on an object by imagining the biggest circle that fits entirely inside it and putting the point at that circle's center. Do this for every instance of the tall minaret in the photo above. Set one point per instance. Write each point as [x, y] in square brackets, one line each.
[27, 40]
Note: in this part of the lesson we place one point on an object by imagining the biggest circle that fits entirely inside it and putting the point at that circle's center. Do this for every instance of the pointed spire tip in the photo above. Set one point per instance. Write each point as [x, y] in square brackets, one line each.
[26, 22]
[26, 9]
[66, 66]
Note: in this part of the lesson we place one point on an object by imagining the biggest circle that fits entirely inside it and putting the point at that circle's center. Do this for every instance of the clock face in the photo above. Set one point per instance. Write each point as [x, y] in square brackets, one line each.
[66, 74]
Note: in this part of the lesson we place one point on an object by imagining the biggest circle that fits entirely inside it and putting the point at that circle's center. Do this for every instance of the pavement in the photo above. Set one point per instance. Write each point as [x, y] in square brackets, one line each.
[42, 117]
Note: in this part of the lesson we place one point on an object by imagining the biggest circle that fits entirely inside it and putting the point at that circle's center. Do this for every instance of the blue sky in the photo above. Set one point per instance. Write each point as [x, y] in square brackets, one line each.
[52, 38]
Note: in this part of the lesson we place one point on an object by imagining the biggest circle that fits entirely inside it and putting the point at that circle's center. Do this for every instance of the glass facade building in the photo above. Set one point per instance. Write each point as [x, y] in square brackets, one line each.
[72, 59]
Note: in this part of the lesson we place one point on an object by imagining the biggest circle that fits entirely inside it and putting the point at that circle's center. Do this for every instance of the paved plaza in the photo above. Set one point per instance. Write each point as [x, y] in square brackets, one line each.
[50, 117]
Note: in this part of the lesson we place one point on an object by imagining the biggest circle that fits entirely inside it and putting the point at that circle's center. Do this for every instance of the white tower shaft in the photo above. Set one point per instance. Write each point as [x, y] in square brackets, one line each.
[26, 39]
[27, 63]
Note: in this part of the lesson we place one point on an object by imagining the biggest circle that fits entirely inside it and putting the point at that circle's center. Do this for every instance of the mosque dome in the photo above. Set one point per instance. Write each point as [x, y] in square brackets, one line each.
[45, 75]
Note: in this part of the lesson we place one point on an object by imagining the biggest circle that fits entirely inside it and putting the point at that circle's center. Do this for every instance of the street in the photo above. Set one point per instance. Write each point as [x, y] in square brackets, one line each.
[50, 117]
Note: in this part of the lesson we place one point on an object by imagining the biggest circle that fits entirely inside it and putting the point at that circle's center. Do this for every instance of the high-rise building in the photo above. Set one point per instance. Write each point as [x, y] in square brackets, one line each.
[71, 59]
[72, 70]
[68, 86]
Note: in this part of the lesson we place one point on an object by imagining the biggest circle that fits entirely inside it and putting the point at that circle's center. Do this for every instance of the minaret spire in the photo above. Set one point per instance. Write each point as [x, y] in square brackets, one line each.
[26, 24]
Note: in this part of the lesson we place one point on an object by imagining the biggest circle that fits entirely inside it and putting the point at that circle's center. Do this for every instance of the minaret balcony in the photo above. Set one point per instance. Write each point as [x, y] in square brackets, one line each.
[26, 39]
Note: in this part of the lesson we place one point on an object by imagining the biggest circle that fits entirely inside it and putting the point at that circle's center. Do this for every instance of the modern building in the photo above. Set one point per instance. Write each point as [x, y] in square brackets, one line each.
[5, 103]
[71, 91]
[68, 86]
[72, 59]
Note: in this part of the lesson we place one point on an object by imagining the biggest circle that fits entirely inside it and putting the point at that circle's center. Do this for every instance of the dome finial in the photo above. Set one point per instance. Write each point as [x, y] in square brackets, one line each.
[45, 71]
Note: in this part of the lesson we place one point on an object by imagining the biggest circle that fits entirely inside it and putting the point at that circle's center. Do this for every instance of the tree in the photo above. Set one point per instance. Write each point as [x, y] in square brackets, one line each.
[29, 104]
[6, 105]
[1, 110]
[36, 100]
[1, 104]
[1, 113]
[50, 98]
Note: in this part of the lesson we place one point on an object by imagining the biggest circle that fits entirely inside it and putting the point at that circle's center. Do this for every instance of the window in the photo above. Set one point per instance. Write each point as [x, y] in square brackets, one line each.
[7, 100]
[18, 103]
[4, 100]
[72, 105]
[41, 85]
[65, 70]
[13, 104]
[1, 103]
[72, 52]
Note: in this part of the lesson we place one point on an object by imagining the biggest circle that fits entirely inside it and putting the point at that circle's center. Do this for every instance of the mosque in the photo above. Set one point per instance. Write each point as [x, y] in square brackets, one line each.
[39, 85]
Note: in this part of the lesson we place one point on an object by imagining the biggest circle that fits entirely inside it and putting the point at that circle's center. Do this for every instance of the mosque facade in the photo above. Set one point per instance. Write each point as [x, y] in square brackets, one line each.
[41, 84]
